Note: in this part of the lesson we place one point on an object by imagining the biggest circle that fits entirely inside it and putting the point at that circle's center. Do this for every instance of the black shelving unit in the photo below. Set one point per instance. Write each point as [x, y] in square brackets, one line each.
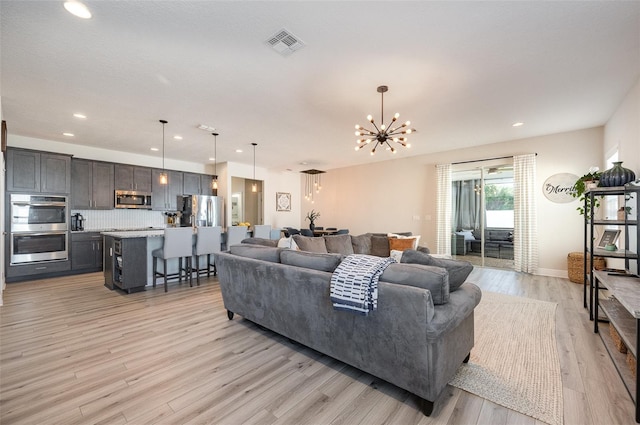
[622, 308]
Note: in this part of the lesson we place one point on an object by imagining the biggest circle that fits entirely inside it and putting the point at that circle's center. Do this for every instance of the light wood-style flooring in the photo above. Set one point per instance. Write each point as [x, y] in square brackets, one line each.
[73, 352]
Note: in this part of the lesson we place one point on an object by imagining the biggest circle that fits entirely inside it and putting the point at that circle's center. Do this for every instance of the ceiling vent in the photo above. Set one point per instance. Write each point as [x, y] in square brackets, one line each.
[284, 42]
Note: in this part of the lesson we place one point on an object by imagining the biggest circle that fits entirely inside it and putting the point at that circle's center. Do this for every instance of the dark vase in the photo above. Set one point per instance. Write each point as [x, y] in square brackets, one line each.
[617, 176]
[312, 226]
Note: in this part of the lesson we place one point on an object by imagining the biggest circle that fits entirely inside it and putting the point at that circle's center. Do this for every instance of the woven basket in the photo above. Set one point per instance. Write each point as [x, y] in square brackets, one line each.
[575, 266]
[617, 340]
[631, 362]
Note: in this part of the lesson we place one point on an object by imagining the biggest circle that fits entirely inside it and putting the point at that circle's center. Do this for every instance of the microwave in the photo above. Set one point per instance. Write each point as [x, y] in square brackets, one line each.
[132, 199]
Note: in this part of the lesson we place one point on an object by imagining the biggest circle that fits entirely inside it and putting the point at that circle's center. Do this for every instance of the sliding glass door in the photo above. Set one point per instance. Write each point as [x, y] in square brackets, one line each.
[482, 214]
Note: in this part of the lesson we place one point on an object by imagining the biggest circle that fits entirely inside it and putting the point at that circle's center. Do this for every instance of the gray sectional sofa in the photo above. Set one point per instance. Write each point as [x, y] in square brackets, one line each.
[417, 338]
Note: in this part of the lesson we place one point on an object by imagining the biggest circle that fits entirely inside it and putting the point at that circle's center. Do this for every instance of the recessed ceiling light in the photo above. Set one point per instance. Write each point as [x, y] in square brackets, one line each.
[81, 116]
[517, 124]
[155, 149]
[177, 137]
[68, 134]
[206, 128]
[77, 9]
[239, 150]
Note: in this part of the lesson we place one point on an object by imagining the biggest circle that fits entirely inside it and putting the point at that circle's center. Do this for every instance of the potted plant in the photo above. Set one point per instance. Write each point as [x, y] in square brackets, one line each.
[312, 216]
[588, 181]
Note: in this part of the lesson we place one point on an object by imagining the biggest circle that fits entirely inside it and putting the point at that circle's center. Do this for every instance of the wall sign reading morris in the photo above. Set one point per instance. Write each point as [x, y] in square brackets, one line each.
[559, 188]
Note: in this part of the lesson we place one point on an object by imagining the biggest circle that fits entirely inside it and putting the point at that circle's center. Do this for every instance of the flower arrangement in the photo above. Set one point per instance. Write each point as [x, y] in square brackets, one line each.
[312, 216]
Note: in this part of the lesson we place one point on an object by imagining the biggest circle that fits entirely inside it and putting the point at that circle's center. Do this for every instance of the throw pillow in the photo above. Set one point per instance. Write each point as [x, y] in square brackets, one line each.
[380, 246]
[396, 255]
[361, 244]
[406, 235]
[401, 244]
[310, 243]
[287, 243]
[468, 235]
[435, 279]
[458, 270]
[339, 244]
[311, 260]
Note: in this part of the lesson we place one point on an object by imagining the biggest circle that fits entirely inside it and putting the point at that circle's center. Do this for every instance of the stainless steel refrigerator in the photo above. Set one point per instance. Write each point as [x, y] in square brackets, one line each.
[201, 210]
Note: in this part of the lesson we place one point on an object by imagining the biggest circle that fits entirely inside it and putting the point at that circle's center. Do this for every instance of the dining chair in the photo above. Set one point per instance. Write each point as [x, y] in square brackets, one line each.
[235, 235]
[290, 231]
[332, 228]
[262, 231]
[208, 241]
[178, 243]
[342, 232]
[306, 232]
[318, 228]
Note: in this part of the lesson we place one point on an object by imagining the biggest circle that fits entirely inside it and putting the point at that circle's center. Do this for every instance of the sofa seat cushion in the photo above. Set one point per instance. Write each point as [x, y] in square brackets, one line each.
[258, 252]
[458, 270]
[339, 244]
[311, 244]
[435, 279]
[311, 260]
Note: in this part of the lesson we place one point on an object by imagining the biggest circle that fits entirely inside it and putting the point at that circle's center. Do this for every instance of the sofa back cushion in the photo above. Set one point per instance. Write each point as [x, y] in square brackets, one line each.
[257, 252]
[435, 279]
[310, 243]
[311, 260]
[458, 270]
[260, 241]
[339, 244]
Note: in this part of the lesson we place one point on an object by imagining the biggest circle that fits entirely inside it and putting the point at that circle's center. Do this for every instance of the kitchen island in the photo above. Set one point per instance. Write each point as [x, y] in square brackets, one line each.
[128, 259]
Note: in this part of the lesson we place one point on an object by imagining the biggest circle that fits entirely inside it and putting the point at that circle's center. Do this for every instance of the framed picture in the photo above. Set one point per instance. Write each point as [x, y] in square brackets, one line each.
[283, 201]
[608, 237]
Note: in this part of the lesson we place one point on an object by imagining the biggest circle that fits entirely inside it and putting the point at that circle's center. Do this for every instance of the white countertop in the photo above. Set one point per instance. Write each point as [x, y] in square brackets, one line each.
[124, 234]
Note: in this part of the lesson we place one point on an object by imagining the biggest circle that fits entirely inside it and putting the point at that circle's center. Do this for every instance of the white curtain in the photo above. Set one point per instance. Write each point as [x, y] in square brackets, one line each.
[525, 237]
[443, 220]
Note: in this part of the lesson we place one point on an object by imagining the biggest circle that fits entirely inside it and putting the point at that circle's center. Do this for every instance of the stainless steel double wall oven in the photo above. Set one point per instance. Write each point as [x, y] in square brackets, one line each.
[39, 228]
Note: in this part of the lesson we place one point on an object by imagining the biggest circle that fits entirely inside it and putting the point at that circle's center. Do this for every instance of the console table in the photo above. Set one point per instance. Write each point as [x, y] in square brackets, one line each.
[623, 311]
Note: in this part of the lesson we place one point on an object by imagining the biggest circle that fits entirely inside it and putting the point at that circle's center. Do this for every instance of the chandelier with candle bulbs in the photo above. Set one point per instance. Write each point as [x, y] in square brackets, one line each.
[384, 135]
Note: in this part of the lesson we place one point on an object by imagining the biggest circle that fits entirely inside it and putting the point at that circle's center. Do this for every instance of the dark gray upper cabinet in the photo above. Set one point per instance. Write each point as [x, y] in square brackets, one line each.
[165, 197]
[41, 172]
[130, 177]
[92, 184]
[191, 184]
[205, 184]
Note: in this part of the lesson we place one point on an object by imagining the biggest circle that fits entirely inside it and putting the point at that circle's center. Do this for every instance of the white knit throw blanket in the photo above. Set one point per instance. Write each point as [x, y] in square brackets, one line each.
[354, 283]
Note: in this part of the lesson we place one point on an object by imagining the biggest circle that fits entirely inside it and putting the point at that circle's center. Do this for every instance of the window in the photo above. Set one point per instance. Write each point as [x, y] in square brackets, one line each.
[499, 204]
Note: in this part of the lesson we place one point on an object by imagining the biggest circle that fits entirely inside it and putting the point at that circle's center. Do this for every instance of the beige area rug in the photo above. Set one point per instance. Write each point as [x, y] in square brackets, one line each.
[514, 362]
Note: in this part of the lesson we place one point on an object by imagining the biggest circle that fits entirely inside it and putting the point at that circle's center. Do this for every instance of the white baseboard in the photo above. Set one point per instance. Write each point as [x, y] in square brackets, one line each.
[553, 273]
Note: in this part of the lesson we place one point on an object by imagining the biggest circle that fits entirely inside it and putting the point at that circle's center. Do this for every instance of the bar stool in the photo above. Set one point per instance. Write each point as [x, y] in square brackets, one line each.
[208, 241]
[235, 235]
[262, 231]
[178, 243]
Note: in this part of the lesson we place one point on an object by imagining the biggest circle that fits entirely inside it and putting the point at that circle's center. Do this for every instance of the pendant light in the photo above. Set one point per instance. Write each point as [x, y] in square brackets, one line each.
[214, 182]
[163, 176]
[254, 187]
[381, 136]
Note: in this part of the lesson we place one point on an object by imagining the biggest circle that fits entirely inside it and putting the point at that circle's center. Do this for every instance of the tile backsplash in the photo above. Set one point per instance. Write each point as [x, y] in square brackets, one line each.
[121, 219]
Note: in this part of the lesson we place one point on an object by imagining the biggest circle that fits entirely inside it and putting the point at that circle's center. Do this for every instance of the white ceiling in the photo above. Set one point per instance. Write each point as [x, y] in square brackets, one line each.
[462, 72]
